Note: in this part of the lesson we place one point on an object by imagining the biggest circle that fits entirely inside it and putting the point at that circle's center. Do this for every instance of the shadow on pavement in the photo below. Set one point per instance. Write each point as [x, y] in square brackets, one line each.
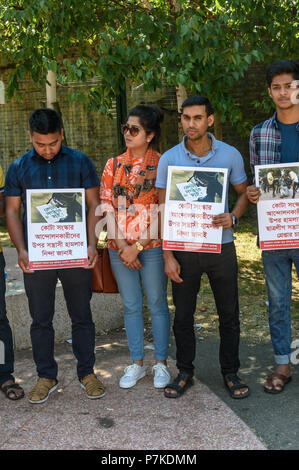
[273, 418]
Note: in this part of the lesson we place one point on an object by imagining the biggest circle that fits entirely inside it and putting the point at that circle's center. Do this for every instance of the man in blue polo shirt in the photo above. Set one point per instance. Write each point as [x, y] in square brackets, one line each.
[51, 165]
[199, 148]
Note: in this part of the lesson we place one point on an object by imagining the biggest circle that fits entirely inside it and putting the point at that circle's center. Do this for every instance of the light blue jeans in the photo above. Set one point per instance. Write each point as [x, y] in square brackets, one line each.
[154, 281]
[278, 273]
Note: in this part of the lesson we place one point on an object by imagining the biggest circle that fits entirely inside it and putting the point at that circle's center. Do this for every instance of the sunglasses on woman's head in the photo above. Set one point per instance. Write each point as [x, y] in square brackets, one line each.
[134, 130]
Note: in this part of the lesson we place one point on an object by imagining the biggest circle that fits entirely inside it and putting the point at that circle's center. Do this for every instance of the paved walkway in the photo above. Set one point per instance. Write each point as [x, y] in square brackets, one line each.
[135, 419]
[273, 418]
[140, 418]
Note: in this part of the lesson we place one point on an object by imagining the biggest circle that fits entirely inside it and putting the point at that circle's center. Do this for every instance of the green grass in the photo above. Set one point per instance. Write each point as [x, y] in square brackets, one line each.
[4, 238]
[252, 292]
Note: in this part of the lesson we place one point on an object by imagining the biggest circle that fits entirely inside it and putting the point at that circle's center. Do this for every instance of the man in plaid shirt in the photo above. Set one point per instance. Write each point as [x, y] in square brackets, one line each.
[273, 141]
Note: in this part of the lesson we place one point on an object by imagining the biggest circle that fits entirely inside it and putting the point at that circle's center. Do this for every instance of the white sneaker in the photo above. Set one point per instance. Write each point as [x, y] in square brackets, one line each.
[133, 373]
[162, 375]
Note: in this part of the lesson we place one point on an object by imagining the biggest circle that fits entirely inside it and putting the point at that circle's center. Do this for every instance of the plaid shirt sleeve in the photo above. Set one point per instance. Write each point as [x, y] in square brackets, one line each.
[90, 178]
[264, 143]
[254, 159]
[12, 187]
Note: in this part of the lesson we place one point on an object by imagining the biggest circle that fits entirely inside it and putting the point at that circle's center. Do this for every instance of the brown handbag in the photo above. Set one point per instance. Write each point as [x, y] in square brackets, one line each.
[103, 279]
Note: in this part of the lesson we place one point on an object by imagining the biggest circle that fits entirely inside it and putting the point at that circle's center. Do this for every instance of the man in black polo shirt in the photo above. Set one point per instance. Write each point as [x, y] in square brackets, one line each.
[51, 165]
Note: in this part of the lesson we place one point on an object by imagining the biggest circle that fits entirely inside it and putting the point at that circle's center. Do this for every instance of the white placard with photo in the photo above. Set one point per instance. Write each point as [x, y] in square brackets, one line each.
[56, 224]
[278, 206]
[194, 195]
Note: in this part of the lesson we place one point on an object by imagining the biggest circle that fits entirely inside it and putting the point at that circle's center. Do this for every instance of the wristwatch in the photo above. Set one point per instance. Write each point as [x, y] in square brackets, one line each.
[139, 246]
[235, 220]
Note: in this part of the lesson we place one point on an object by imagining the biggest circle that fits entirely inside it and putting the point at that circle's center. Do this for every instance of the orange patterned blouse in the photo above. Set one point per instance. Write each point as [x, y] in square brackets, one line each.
[134, 221]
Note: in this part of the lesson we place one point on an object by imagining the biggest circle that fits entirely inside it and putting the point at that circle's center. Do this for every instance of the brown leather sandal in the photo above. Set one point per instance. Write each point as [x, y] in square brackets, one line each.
[93, 386]
[278, 387]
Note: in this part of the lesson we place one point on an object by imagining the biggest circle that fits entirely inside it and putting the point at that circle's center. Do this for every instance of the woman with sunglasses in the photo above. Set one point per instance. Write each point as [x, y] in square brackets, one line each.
[128, 192]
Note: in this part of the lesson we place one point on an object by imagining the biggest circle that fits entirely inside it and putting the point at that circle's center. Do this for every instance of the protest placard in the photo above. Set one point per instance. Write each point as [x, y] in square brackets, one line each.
[278, 206]
[193, 196]
[56, 226]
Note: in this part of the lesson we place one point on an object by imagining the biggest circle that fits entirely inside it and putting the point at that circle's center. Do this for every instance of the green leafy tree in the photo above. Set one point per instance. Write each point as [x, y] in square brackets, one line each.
[202, 47]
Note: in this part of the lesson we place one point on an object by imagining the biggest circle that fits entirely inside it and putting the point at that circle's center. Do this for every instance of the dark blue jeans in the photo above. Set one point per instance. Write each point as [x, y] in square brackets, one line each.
[40, 289]
[222, 271]
[6, 369]
[278, 273]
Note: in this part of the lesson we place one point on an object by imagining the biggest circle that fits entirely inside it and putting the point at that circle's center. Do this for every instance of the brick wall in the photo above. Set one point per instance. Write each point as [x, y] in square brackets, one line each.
[86, 130]
[97, 135]
[166, 99]
[249, 89]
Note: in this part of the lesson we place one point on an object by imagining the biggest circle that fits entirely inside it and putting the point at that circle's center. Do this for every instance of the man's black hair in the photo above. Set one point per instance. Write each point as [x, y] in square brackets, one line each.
[280, 67]
[198, 101]
[45, 121]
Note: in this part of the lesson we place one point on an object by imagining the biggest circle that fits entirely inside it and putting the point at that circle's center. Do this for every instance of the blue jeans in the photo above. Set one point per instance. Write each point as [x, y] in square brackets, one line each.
[154, 281]
[278, 273]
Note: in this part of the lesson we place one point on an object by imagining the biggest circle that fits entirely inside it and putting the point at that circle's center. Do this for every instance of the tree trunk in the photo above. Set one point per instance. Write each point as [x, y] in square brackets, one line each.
[181, 96]
[51, 89]
[52, 102]
[2, 93]
[218, 127]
